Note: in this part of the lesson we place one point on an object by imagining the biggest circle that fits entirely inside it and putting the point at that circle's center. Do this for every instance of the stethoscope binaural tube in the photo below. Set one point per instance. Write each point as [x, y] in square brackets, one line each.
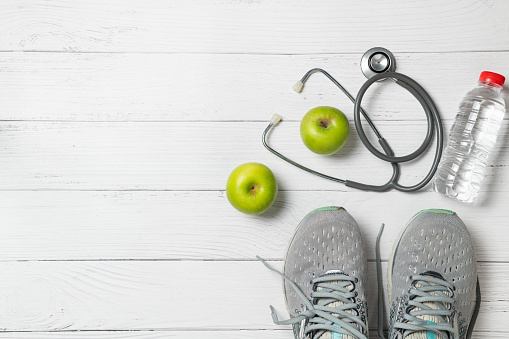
[432, 117]
[433, 120]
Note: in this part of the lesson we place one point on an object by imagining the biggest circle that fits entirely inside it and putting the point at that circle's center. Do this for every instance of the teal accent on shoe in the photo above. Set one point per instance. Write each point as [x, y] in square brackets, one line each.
[336, 335]
[327, 208]
[437, 210]
[430, 334]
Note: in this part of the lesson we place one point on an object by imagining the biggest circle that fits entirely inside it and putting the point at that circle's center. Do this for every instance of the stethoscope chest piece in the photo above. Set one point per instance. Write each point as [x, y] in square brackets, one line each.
[377, 60]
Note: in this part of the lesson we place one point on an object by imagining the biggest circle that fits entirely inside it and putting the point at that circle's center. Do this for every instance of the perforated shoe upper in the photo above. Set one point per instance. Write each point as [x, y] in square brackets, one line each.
[434, 247]
[327, 240]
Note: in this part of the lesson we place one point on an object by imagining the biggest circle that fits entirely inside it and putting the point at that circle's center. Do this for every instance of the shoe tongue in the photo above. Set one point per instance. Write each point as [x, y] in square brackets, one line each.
[430, 320]
[329, 334]
[335, 335]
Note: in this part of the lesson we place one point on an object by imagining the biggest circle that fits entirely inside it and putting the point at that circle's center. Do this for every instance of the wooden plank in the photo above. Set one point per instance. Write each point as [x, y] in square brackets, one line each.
[324, 26]
[246, 334]
[202, 225]
[160, 87]
[172, 295]
[171, 156]
[234, 334]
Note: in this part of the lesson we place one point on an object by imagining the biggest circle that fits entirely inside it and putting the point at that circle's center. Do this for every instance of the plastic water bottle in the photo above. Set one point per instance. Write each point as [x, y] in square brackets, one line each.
[473, 135]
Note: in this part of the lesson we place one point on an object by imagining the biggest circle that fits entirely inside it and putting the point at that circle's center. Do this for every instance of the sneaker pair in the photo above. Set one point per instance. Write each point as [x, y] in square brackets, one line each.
[432, 279]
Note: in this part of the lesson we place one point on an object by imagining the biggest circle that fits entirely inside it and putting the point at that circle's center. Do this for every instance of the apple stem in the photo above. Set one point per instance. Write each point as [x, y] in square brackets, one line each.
[325, 123]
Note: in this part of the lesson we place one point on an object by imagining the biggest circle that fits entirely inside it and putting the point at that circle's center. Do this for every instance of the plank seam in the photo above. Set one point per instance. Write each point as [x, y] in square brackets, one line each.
[243, 53]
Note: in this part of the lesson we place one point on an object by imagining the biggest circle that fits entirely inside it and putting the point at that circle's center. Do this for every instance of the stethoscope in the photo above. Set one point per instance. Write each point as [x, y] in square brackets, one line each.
[378, 64]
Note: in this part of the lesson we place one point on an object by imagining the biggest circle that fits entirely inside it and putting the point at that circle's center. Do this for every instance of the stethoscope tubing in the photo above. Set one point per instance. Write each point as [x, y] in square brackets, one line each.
[296, 164]
[433, 122]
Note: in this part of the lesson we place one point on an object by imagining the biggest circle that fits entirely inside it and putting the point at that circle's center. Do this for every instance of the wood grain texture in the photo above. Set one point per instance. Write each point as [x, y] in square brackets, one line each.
[197, 87]
[232, 334]
[117, 121]
[254, 26]
[246, 334]
[167, 156]
[202, 225]
[173, 295]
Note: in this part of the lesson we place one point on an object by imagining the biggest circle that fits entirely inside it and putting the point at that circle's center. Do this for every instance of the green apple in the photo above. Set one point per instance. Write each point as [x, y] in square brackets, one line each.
[251, 188]
[324, 130]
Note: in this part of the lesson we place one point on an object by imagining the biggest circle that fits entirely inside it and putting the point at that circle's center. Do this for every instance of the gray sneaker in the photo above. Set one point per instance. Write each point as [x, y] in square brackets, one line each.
[325, 277]
[432, 279]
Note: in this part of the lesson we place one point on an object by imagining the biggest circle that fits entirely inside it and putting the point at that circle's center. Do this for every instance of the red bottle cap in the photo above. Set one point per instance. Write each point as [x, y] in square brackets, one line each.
[492, 77]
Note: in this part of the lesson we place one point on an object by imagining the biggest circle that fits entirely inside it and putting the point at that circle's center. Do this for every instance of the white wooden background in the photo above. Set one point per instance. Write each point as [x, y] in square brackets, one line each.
[120, 122]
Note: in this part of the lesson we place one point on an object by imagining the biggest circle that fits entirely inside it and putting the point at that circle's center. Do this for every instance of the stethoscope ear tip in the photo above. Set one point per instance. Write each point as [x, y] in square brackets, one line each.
[298, 86]
[276, 118]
